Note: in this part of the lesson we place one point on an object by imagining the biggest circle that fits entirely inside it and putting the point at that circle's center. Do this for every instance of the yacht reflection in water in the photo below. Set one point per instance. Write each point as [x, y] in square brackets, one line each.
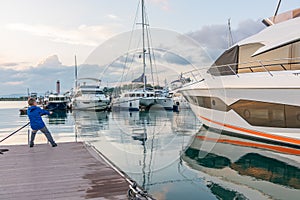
[234, 164]
[58, 117]
[89, 123]
[151, 141]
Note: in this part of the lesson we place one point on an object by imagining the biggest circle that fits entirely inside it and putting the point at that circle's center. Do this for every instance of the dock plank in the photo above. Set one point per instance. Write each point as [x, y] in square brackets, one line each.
[69, 171]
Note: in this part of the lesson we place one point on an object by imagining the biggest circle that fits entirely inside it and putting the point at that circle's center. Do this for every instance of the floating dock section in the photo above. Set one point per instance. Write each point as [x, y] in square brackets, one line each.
[69, 171]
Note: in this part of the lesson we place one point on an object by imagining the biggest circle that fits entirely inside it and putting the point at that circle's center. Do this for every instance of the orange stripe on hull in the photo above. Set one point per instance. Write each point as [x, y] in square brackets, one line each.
[252, 144]
[256, 133]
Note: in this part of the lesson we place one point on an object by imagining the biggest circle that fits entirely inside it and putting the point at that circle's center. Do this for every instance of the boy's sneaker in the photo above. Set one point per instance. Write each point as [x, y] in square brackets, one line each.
[31, 145]
[54, 145]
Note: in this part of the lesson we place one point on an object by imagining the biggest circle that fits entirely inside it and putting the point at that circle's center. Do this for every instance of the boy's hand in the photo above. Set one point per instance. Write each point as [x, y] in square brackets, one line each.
[51, 112]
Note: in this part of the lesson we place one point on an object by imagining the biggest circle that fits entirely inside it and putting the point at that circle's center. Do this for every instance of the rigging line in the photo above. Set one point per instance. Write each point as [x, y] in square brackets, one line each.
[144, 162]
[154, 59]
[150, 50]
[190, 180]
[130, 39]
[176, 181]
[143, 36]
[124, 142]
[151, 155]
[150, 58]
[128, 68]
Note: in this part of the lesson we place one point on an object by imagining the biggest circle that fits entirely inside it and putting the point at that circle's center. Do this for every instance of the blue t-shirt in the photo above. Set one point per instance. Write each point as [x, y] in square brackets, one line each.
[34, 113]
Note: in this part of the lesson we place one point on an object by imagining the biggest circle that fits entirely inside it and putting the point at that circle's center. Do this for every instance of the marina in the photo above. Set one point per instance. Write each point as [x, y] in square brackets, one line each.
[150, 114]
[169, 154]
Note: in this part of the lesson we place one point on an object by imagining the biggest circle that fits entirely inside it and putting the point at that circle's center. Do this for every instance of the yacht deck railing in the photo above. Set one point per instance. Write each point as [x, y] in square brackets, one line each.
[282, 64]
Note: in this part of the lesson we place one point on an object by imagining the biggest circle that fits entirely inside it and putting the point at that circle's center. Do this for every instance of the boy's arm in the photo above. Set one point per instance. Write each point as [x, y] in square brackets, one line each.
[45, 112]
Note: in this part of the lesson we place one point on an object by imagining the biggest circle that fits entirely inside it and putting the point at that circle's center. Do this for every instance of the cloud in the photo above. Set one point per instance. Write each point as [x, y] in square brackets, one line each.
[9, 64]
[38, 78]
[113, 17]
[175, 59]
[17, 77]
[13, 65]
[13, 83]
[214, 38]
[50, 61]
[82, 35]
[163, 4]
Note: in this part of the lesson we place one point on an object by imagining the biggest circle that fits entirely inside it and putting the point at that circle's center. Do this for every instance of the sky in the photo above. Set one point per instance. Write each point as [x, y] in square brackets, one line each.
[40, 38]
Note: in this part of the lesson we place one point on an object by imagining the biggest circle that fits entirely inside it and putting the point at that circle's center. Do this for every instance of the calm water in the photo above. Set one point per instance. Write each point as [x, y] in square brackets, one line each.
[172, 156]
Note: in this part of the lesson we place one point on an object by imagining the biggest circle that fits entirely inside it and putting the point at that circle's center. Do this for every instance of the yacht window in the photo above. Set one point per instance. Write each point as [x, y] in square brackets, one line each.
[226, 63]
[261, 113]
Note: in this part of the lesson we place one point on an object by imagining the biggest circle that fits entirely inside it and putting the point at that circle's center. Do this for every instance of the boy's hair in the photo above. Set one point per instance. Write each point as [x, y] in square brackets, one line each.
[31, 101]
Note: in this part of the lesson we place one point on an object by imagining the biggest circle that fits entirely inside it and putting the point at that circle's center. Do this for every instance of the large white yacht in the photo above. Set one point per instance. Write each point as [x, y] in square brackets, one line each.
[253, 88]
[90, 96]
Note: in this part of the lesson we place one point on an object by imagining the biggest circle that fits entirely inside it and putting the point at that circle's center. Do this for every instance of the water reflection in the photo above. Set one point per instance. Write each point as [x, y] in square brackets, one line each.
[263, 168]
[170, 157]
[140, 143]
[89, 123]
[58, 117]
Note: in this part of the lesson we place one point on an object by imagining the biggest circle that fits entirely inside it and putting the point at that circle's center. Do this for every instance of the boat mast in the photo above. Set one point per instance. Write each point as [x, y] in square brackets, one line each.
[144, 51]
[277, 8]
[75, 72]
[230, 39]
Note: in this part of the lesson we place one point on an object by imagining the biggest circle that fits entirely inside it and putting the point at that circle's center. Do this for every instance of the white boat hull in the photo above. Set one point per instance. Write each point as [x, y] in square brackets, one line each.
[270, 111]
[91, 105]
[126, 103]
[164, 102]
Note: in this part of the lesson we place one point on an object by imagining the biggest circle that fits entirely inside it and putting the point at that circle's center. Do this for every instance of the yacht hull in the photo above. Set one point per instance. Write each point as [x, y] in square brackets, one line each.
[166, 103]
[90, 105]
[126, 104]
[269, 112]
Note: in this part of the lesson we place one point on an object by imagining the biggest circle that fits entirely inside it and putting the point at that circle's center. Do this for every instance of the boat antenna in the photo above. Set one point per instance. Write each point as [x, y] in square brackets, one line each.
[76, 72]
[28, 94]
[275, 14]
[143, 38]
[230, 39]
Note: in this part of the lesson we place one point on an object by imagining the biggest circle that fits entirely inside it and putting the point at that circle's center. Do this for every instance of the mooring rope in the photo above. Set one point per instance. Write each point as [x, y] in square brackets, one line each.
[15, 132]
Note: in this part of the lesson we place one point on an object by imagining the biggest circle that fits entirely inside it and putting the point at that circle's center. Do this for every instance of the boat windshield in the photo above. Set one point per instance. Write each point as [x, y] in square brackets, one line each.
[57, 98]
[92, 92]
[242, 59]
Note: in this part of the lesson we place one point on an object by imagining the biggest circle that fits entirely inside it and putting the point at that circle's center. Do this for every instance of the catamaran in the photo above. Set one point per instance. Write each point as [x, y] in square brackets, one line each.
[144, 97]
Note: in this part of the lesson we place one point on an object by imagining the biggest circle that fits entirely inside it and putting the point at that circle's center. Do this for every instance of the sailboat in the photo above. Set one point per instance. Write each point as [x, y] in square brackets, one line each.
[144, 97]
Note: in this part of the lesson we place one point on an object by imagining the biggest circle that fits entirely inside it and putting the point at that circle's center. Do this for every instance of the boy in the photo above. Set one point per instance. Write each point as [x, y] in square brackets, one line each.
[34, 113]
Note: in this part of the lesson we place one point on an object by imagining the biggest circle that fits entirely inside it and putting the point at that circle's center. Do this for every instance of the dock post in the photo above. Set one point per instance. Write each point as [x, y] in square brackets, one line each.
[28, 136]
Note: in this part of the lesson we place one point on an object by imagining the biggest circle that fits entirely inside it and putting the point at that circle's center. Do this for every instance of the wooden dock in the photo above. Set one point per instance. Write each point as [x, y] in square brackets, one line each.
[70, 171]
